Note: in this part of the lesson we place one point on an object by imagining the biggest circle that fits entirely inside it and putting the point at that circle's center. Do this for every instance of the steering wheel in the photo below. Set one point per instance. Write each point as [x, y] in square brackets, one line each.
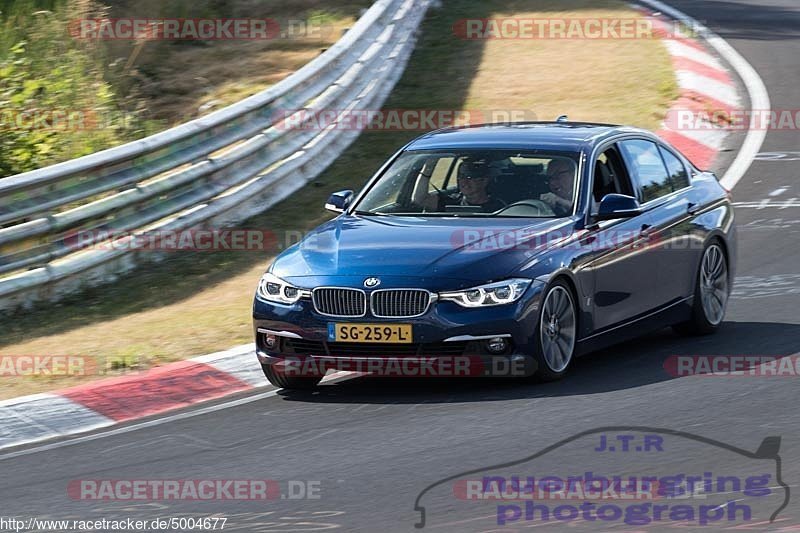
[542, 208]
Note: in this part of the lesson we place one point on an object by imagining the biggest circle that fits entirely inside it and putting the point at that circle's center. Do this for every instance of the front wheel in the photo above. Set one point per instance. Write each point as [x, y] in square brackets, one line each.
[557, 331]
[280, 379]
[710, 293]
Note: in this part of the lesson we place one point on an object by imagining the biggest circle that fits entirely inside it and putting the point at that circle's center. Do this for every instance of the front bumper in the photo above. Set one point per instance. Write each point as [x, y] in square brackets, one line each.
[446, 337]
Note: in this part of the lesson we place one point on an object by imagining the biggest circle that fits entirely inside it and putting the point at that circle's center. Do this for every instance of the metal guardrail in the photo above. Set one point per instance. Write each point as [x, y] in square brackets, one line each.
[221, 168]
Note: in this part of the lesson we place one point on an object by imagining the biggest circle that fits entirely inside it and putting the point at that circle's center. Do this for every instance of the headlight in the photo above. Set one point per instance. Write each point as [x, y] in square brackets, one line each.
[273, 289]
[502, 292]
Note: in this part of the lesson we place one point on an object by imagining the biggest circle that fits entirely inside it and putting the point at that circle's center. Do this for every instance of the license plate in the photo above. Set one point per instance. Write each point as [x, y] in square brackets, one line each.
[399, 333]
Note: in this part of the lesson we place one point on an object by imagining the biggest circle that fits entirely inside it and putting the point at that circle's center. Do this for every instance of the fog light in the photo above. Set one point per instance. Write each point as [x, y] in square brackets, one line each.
[270, 341]
[497, 345]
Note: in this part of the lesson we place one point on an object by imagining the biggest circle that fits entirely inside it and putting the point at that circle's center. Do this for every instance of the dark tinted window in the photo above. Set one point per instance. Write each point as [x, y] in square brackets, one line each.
[646, 168]
[610, 176]
[677, 171]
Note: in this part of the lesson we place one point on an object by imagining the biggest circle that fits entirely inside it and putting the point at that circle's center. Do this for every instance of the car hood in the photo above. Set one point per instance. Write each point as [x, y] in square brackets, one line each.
[476, 249]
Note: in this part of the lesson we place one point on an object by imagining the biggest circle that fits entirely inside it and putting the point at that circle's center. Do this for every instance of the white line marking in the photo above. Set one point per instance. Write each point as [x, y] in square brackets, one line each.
[42, 417]
[141, 425]
[722, 506]
[763, 204]
[759, 98]
[24, 399]
[778, 192]
[778, 156]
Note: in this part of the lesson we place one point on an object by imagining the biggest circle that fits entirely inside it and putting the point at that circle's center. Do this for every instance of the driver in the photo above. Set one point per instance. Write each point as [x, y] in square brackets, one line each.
[473, 186]
[561, 174]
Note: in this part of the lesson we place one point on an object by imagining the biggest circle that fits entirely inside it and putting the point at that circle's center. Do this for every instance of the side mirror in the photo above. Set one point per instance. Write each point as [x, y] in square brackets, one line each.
[339, 201]
[614, 206]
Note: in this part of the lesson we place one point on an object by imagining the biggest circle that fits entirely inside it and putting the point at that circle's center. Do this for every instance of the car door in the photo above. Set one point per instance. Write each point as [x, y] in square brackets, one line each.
[663, 188]
[624, 274]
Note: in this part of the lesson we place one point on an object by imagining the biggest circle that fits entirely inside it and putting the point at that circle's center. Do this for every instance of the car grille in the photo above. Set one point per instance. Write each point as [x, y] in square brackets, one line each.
[345, 349]
[387, 303]
[340, 302]
[398, 303]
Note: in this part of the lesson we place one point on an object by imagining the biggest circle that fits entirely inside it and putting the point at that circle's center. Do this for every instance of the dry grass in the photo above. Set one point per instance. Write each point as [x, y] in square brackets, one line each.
[608, 80]
[183, 80]
[224, 73]
[198, 303]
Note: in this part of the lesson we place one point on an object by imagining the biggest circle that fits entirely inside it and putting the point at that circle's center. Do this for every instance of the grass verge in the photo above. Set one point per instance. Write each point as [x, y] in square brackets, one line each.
[216, 73]
[196, 303]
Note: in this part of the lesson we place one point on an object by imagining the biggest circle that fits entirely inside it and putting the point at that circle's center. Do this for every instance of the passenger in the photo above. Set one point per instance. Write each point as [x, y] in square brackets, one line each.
[561, 173]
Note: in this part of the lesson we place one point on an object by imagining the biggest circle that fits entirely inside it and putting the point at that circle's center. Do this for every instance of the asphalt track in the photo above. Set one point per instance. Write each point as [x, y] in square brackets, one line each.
[374, 445]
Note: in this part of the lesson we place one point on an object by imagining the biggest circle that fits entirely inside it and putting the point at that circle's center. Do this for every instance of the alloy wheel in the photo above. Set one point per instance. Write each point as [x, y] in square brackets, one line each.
[714, 284]
[557, 328]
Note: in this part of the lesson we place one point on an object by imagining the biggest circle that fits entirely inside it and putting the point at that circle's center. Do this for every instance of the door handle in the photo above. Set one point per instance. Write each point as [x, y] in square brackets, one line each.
[645, 232]
[692, 208]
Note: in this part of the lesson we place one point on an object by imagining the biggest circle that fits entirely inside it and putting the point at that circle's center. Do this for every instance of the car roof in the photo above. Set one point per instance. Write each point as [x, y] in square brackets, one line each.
[562, 136]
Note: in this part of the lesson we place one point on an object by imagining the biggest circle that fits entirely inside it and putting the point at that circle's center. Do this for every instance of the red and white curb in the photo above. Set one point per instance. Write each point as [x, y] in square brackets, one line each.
[107, 402]
[706, 87]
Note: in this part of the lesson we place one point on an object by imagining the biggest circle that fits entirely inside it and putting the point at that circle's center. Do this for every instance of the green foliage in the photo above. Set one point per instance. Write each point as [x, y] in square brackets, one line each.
[55, 103]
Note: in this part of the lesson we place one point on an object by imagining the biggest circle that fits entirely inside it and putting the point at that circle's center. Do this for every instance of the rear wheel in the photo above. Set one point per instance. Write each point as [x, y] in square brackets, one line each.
[711, 293]
[557, 332]
[280, 379]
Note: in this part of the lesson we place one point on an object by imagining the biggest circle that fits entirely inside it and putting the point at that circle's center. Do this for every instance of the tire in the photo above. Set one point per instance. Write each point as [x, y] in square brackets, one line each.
[556, 332]
[279, 379]
[711, 292]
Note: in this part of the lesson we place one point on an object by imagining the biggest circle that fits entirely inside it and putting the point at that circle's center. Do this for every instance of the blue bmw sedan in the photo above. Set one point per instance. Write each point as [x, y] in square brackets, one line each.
[509, 249]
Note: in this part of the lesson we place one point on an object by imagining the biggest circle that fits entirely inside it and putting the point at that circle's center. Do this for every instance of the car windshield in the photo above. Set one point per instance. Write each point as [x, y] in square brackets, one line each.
[487, 183]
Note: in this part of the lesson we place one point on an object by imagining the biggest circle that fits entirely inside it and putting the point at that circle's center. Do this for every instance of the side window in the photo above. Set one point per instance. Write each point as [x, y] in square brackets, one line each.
[675, 168]
[646, 168]
[610, 176]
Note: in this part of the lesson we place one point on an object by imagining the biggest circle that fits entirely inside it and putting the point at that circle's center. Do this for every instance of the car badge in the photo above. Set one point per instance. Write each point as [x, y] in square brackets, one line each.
[371, 282]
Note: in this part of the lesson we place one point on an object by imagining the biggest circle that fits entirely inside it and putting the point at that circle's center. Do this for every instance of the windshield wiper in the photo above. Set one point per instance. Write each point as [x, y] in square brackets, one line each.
[435, 215]
[372, 214]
